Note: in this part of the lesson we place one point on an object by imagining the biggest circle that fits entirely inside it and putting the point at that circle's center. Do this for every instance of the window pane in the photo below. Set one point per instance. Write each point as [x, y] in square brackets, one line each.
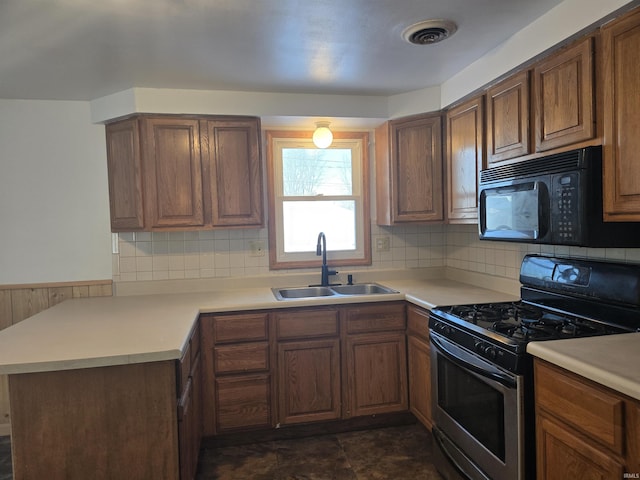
[310, 171]
[304, 220]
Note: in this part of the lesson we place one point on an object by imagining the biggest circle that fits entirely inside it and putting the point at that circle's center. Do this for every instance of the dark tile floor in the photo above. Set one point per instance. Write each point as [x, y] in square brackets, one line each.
[393, 453]
[5, 459]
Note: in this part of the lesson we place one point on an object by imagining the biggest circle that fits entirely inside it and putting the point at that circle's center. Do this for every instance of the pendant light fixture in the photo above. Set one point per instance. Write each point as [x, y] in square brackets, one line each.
[322, 137]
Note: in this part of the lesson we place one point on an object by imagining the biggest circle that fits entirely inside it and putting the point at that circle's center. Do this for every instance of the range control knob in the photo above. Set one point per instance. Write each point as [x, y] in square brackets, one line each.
[478, 346]
[490, 351]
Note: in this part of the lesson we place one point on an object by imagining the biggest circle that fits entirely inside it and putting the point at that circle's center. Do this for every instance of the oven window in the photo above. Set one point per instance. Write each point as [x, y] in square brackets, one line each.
[477, 407]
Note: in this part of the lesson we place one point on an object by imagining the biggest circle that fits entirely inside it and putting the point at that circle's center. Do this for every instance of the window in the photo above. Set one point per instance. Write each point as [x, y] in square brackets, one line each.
[314, 190]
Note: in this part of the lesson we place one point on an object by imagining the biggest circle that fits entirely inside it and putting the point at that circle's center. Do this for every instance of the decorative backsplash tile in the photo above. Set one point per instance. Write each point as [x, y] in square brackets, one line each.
[232, 253]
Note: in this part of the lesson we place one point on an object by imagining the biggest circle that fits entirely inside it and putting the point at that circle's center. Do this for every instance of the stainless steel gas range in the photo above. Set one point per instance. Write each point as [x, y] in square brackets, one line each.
[482, 377]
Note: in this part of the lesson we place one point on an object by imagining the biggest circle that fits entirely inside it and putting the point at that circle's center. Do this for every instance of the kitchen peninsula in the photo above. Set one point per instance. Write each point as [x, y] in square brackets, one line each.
[97, 385]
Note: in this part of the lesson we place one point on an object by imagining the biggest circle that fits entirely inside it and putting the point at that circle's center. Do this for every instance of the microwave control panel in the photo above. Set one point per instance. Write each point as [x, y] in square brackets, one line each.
[565, 208]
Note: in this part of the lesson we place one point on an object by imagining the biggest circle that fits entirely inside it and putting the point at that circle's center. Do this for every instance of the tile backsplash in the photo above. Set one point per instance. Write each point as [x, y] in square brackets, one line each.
[236, 253]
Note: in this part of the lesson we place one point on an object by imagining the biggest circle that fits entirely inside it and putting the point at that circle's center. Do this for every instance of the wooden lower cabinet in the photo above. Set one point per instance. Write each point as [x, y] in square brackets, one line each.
[190, 407]
[302, 365]
[308, 365]
[237, 378]
[419, 364]
[309, 381]
[376, 373]
[100, 423]
[243, 402]
[562, 454]
[374, 359]
[583, 430]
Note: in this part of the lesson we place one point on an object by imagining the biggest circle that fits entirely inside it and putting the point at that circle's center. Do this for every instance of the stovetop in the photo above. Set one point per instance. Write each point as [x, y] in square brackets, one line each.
[523, 322]
[561, 298]
[499, 332]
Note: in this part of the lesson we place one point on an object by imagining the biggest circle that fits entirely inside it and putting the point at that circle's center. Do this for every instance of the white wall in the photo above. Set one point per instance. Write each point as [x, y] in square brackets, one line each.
[54, 202]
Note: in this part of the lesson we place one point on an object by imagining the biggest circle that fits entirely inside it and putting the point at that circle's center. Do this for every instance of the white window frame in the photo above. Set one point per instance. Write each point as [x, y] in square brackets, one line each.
[358, 143]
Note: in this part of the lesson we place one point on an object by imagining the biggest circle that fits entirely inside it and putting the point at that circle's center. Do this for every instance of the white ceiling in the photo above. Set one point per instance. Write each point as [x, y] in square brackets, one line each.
[86, 49]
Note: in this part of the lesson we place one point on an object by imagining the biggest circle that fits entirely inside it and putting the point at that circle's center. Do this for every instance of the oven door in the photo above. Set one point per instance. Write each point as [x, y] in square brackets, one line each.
[477, 413]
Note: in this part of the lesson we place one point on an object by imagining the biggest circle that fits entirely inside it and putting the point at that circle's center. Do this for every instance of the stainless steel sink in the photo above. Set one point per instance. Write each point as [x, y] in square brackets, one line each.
[302, 292]
[362, 289]
[336, 290]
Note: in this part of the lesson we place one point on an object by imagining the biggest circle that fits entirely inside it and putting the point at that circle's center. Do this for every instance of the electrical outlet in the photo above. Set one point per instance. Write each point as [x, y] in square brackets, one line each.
[383, 244]
[256, 248]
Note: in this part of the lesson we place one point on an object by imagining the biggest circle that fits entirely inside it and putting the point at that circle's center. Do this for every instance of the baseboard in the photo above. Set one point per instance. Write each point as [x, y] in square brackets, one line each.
[307, 430]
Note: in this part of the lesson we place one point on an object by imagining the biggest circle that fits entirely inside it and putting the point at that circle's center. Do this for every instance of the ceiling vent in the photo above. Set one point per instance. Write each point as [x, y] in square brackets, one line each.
[429, 31]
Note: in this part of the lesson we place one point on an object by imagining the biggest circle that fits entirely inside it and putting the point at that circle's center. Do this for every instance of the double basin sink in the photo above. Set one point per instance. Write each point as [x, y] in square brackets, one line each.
[333, 290]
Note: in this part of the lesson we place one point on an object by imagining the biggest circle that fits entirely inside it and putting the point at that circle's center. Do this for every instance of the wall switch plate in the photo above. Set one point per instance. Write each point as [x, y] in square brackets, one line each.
[256, 248]
[383, 244]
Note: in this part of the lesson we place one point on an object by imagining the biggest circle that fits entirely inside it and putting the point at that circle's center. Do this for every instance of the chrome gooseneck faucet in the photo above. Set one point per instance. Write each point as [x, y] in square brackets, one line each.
[321, 249]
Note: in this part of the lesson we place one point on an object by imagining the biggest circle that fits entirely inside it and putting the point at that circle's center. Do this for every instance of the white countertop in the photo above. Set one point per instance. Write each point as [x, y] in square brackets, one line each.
[93, 332]
[612, 360]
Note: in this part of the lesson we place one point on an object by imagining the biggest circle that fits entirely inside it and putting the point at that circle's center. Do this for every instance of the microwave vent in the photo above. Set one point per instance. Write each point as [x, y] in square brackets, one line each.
[560, 162]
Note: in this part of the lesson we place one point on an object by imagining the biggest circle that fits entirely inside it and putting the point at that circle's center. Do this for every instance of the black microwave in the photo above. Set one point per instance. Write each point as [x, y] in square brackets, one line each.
[553, 200]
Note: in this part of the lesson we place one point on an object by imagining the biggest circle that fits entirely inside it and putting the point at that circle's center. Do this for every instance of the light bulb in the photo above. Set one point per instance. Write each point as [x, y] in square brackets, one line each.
[322, 137]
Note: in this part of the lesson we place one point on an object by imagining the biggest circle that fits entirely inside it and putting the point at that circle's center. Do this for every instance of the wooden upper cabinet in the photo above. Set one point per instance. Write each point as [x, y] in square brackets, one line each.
[621, 118]
[508, 116]
[563, 92]
[465, 155]
[235, 172]
[409, 170]
[187, 172]
[125, 176]
[173, 172]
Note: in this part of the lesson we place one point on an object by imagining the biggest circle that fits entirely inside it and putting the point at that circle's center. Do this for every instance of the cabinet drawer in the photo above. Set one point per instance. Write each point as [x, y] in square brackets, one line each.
[241, 328]
[418, 321]
[307, 323]
[243, 402]
[582, 404]
[375, 318]
[246, 357]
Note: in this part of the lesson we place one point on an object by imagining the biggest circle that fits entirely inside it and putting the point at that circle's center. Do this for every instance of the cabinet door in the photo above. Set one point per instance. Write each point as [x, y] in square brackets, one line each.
[409, 170]
[125, 176]
[309, 381]
[173, 172]
[465, 154]
[419, 379]
[235, 172]
[621, 115]
[508, 119]
[376, 373]
[562, 454]
[564, 97]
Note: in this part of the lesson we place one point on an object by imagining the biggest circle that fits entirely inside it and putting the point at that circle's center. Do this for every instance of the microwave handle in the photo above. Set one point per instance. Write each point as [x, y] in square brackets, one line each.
[469, 364]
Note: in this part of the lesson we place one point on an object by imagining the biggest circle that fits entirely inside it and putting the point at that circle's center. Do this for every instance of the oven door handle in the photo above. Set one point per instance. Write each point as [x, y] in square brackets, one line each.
[483, 369]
